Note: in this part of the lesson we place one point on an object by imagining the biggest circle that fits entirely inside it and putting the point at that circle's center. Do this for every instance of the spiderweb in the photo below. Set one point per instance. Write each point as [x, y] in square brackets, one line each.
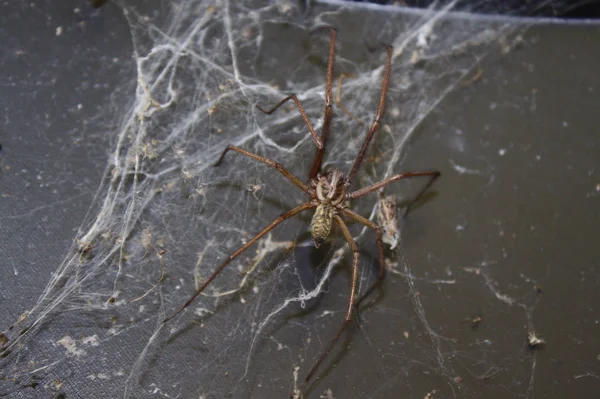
[163, 218]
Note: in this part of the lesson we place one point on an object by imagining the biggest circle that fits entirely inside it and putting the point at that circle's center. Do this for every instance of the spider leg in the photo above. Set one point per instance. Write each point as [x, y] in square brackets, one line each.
[375, 125]
[280, 168]
[348, 318]
[379, 235]
[365, 190]
[316, 166]
[244, 247]
[293, 97]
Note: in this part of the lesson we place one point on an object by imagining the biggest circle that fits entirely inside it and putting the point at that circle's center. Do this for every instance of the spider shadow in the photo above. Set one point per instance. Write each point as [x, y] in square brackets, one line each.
[196, 320]
[309, 267]
[374, 297]
[221, 303]
[417, 203]
[344, 344]
[316, 258]
[413, 228]
[308, 280]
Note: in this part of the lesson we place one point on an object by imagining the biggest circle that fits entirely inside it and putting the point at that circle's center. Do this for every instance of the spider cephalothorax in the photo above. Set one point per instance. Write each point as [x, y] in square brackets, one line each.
[329, 191]
[328, 194]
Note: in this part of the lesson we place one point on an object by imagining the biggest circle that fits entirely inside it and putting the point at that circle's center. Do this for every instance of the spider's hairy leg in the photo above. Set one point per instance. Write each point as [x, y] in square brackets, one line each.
[280, 168]
[351, 302]
[274, 223]
[378, 116]
[376, 186]
[379, 234]
[316, 166]
[293, 97]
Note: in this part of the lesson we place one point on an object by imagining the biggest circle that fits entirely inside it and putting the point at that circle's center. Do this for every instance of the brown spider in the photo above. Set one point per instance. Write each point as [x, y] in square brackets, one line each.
[329, 193]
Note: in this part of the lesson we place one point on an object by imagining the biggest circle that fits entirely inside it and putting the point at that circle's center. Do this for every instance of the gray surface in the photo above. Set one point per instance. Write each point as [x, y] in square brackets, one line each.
[58, 94]
[516, 207]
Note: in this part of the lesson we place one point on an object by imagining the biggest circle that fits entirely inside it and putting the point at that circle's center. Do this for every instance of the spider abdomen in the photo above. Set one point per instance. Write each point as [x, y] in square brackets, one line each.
[320, 225]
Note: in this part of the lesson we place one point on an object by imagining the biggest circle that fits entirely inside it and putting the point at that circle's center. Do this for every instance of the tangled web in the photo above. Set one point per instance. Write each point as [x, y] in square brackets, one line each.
[163, 217]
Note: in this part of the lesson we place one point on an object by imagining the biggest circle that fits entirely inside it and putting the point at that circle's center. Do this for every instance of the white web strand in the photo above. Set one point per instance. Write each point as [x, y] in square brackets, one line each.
[444, 367]
[302, 298]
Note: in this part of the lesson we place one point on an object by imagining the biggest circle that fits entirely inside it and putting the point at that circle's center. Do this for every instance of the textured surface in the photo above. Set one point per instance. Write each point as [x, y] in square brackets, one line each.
[505, 246]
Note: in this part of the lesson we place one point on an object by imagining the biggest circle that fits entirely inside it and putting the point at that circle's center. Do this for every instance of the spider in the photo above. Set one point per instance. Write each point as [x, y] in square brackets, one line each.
[329, 193]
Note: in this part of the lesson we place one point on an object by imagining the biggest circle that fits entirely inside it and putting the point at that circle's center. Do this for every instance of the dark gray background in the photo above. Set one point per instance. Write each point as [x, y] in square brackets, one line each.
[515, 213]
